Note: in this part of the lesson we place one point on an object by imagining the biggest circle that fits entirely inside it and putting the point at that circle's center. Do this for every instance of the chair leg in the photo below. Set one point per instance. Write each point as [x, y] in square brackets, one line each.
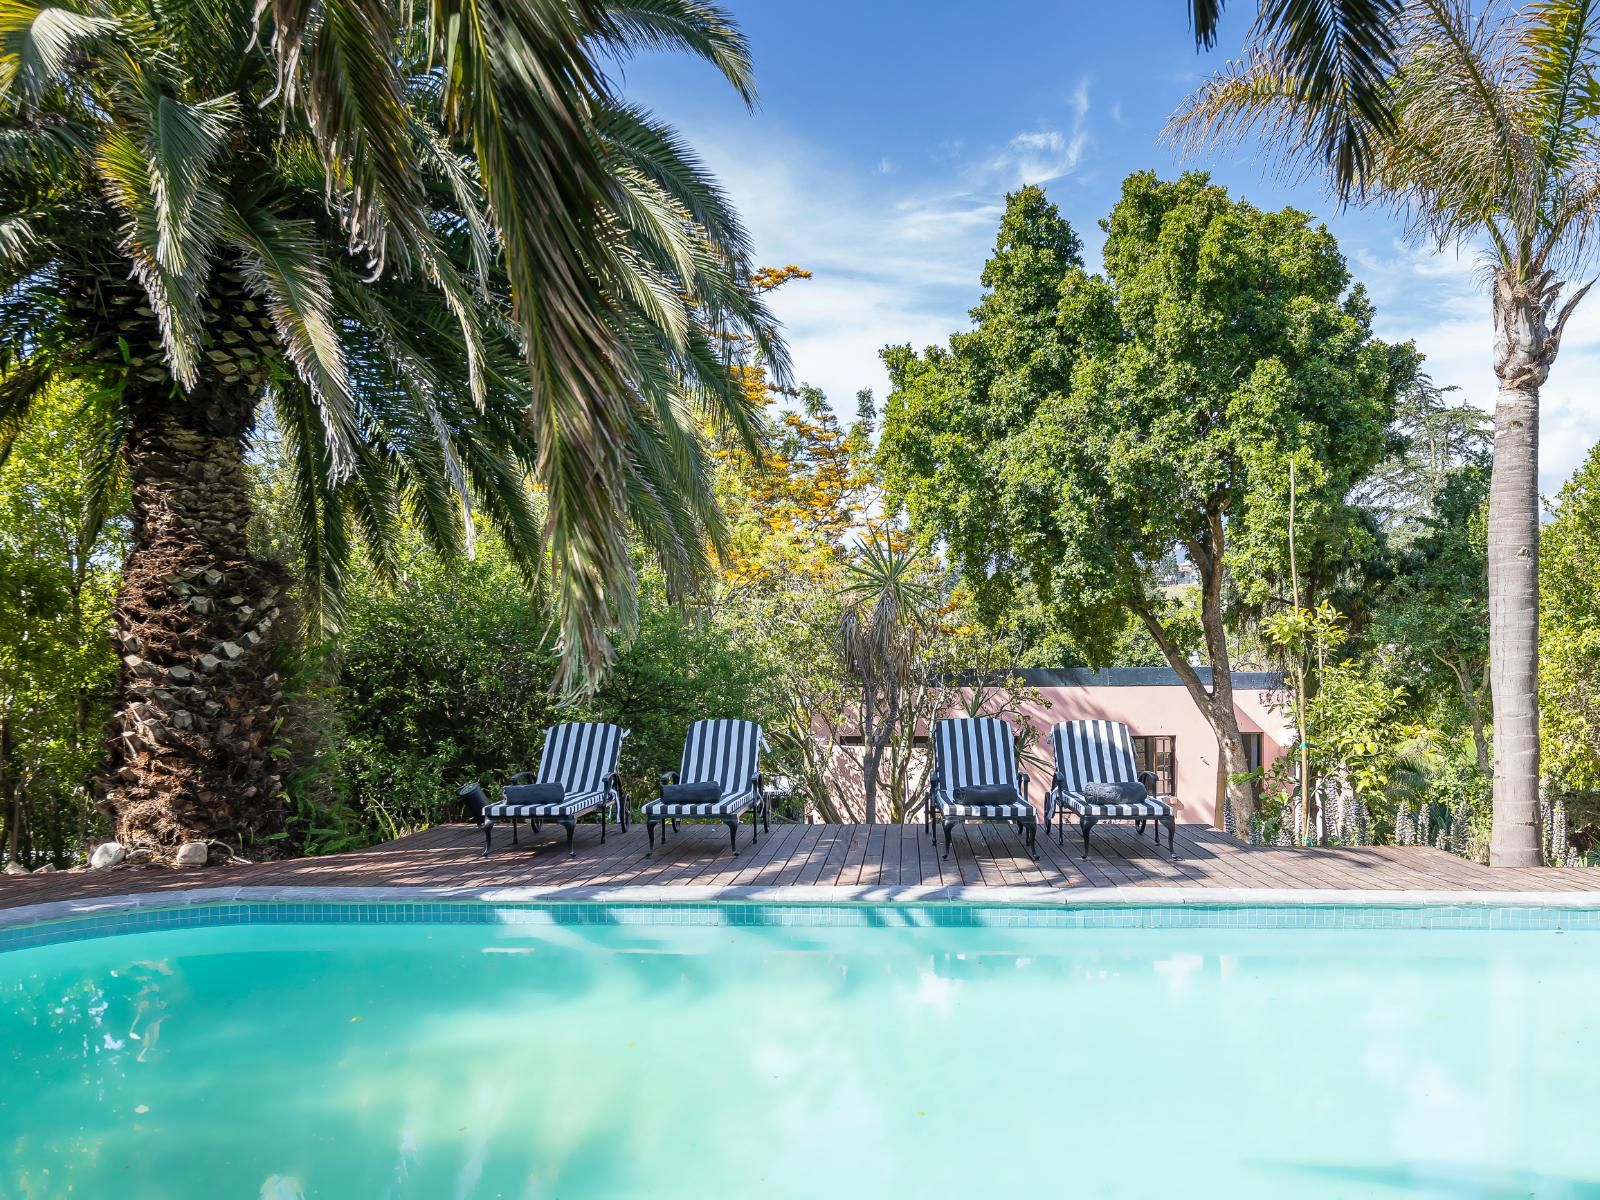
[733, 834]
[603, 824]
[570, 824]
[514, 840]
[1172, 825]
[948, 826]
[753, 838]
[1088, 824]
[1138, 827]
[650, 828]
[488, 835]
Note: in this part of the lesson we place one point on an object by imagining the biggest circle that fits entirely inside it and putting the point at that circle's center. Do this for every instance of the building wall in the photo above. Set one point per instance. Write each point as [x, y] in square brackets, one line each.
[1166, 711]
[1151, 702]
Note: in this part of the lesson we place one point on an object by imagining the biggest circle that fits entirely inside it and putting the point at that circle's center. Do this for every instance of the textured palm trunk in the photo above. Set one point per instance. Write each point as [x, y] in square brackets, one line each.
[1525, 346]
[196, 622]
[1514, 627]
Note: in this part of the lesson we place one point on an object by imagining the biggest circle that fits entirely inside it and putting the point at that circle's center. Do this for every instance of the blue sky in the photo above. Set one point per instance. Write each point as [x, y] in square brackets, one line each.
[888, 133]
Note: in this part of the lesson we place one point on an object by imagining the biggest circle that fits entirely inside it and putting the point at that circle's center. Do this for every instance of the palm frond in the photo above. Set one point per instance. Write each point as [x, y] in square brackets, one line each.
[1342, 52]
[653, 149]
[282, 264]
[704, 30]
[37, 46]
[1558, 40]
[317, 518]
[336, 60]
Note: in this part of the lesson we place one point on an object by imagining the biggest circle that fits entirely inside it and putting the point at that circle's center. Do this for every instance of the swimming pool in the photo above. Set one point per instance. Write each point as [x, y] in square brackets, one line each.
[472, 1051]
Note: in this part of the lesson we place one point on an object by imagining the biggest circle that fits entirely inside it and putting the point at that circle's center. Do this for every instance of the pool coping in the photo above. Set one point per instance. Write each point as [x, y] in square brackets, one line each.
[679, 895]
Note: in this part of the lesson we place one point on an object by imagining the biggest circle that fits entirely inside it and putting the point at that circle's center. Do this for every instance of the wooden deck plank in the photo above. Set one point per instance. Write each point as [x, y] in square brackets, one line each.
[985, 855]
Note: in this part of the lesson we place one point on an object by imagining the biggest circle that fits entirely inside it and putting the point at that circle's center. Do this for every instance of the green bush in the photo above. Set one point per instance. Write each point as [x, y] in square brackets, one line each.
[447, 677]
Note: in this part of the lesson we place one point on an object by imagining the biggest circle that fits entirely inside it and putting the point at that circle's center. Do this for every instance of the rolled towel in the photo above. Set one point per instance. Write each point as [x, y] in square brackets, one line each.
[987, 793]
[1115, 793]
[541, 794]
[691, 793]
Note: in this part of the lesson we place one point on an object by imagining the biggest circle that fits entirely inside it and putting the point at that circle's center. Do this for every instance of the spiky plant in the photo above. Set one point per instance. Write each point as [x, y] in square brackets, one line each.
[1491, 137]
[888, 602]
[431, 237]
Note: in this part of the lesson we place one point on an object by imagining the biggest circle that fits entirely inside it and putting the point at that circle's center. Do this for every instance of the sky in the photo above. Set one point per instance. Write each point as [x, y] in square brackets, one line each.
[888, 132]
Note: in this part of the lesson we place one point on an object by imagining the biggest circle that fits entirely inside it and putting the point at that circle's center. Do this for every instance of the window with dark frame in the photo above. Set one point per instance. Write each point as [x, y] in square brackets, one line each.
[1158, 754]
[1252, 750]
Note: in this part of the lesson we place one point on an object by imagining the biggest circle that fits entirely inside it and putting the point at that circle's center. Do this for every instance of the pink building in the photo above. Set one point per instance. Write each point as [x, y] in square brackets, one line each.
[1170, 735]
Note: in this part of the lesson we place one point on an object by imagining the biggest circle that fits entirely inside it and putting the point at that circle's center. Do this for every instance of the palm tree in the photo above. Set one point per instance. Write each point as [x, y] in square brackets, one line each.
[1343, 50]
[1495, 141]
[455, 265]
[887, 603]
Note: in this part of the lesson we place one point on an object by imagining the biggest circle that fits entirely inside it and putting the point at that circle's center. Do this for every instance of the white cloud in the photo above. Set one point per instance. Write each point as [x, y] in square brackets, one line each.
[895, 251]
[1440, 300]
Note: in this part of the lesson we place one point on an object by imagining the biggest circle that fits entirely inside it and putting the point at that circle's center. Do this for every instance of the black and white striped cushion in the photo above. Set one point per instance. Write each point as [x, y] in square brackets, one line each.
[580, 756]
[1099, 752]
[972, 751]
[724, 752]
[572, 806]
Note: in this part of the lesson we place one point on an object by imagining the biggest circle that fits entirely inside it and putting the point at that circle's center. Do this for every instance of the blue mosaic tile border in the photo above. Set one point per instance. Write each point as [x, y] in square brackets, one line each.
[848, 915]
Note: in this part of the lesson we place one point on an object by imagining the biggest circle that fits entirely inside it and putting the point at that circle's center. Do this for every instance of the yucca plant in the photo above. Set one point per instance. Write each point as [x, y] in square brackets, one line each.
[1492, 140]
[888, 601]
[453, 262]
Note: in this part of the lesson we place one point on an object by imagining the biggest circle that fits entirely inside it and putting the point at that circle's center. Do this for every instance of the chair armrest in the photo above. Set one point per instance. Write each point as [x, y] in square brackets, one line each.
[1022, 777]
[1148, 778]
[669, 777]
[521, 777]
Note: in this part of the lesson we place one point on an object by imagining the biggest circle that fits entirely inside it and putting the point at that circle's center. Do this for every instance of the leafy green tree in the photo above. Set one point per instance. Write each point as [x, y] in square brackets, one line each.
[446, 676]
[1489, 138]
[1433, 439]
[1433, 617]
[1152, 408]
[452, 259]
[1569, 673]
[62, 532]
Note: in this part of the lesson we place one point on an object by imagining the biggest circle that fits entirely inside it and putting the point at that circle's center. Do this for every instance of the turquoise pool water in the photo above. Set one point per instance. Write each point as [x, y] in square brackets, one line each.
[531, 1061]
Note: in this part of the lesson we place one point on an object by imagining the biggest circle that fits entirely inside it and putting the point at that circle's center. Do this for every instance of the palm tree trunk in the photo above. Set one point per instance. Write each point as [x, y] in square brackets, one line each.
[1514, 625]
[196, 621]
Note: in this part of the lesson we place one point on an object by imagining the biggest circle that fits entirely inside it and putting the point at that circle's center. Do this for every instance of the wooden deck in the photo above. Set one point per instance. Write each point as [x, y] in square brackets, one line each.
[827, 855]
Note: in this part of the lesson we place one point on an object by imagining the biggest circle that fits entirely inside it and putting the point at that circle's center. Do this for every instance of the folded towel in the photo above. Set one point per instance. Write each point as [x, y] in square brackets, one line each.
[691, 793]
[1115, 793]
[987, 793]
[536, 793]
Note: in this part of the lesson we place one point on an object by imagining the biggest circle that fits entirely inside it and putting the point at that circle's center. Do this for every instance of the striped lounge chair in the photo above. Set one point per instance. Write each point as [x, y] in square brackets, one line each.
[1100, 752]
[977, 752]
[728, 754]
[582, 757]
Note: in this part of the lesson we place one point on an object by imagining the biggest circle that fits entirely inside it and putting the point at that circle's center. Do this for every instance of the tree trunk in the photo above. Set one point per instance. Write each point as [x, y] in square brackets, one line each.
[1525, 346]
[1514, 627]
[1216, 702]
[871, 755]
[198, 626]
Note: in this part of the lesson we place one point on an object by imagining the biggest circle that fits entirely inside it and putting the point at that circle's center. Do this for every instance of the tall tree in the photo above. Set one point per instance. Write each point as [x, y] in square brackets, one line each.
[1434, 437]
[1492, 138]
[1089, 425]
[448, 254]
[1434, 613]
[1569, 676]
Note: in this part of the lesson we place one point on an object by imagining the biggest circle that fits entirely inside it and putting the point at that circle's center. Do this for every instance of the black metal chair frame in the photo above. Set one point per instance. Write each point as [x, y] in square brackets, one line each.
[732, 822]
[1027, 827]
[1087, 821]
